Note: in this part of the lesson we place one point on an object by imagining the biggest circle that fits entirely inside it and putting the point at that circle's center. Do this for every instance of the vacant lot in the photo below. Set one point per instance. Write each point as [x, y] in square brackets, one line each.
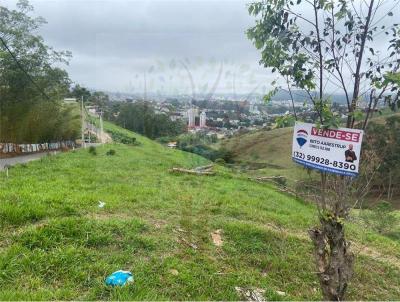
[57, 243]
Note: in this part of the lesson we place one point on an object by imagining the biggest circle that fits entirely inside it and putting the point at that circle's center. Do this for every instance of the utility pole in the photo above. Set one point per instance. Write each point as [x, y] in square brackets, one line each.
[101, 127]
[83, 124]
[145, 86]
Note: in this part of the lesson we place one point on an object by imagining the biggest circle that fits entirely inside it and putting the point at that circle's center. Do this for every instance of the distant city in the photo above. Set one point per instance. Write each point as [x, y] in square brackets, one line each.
[223, 116]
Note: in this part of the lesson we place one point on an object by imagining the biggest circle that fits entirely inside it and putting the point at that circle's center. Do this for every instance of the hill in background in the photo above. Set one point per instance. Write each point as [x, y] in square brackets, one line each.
[269, 152]
[301, 96]
[266, 153]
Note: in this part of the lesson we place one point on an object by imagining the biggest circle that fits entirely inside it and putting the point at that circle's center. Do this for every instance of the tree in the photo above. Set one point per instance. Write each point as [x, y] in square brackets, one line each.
[31, 88]
[321, 45]
[386, 180]
[141, 118]
[100, 99]
[78, 92]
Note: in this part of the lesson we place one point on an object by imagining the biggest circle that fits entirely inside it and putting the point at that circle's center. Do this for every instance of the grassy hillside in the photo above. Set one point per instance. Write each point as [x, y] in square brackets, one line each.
[266, 153]
[272, 147]
[56, 243]
[269, 153]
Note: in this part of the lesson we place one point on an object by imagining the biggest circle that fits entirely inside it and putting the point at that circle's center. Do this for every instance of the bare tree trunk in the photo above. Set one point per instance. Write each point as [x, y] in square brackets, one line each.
[331, 250]
[357, 74]
[334, 260]
[390, 186]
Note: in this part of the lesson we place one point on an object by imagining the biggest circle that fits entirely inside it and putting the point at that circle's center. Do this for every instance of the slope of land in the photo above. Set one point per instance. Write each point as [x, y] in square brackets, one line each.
[268, 153]
[57, 243]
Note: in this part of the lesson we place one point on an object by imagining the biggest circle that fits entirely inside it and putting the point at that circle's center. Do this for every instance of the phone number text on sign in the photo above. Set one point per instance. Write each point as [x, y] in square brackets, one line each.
[330, 150]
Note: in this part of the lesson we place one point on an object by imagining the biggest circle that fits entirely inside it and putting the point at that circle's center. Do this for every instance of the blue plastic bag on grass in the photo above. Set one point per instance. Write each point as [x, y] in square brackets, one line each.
[119, 278]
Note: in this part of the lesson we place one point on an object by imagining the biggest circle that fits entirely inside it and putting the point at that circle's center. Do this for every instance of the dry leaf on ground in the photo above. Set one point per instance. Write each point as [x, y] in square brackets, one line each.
[216, 237]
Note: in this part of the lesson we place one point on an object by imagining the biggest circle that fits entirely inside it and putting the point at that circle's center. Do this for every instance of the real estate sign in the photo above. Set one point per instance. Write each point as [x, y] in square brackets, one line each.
[329, 150]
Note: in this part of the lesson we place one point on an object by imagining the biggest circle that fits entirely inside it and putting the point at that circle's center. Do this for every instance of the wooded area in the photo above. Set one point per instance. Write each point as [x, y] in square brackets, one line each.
[31, 87]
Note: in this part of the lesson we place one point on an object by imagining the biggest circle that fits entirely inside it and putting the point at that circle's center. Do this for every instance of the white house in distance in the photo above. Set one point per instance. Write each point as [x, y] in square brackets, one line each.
[92, 110]
[172, 145]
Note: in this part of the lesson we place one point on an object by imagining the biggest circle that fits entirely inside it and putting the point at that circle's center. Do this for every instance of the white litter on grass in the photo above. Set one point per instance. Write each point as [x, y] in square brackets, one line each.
[101, 204]
[280, 293]
[174, 272]
[251, 294]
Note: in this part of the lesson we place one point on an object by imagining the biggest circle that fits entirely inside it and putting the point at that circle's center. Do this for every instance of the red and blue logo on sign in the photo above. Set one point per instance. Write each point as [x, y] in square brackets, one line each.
[301, 138]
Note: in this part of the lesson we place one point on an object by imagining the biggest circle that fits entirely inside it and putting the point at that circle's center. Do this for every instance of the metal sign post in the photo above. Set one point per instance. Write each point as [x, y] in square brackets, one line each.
[83, 123]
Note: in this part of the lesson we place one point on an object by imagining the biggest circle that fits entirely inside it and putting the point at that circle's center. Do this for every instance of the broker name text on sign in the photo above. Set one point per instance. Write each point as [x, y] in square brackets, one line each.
[330, 150]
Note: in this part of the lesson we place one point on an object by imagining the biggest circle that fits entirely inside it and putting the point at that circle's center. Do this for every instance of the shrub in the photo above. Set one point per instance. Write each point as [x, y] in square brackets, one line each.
[122, 138]
[165, 139]
[128, 140]
[110, 152]
[380, 218]
[207, 152]
[220, 161]
[226, 155]
[92, 150]
[280, 180]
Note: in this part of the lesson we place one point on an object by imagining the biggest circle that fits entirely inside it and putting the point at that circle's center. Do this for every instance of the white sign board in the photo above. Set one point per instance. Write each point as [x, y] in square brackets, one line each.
[329, 150]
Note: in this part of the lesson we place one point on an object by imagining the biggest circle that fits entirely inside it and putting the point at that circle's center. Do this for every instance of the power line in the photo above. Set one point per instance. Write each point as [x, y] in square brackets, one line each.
[23, 70]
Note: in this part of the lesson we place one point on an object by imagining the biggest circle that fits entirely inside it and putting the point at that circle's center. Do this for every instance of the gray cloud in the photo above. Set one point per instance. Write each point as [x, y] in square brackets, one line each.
[113, 40]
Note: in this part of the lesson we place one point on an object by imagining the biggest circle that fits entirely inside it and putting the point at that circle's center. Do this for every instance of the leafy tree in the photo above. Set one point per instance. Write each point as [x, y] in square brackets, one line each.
[199, 143]
[99, 99]
[31, 88]
[286, 120]
[78, 92]
[141, 118]
[386, 150]
[333, 47]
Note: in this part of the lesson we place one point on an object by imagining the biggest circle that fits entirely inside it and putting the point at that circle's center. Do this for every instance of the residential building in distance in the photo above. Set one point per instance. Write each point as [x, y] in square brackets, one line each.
[191, 118]
[203, 119]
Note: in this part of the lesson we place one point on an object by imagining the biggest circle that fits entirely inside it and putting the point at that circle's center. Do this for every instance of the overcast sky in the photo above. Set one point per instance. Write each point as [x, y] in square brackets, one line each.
[114, 42]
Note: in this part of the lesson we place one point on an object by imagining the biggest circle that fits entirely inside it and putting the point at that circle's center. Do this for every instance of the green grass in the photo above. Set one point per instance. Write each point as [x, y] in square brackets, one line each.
[266, 153]
[56, 243]
[269, 153]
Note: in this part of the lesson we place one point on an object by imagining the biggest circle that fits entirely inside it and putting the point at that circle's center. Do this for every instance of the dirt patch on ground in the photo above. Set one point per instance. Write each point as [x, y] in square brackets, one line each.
[359, 249]
[109, 216]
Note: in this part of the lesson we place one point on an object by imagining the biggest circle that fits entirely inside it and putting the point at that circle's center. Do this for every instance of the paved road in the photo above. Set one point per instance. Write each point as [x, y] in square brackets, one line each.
[30, 157]
[20, 159]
